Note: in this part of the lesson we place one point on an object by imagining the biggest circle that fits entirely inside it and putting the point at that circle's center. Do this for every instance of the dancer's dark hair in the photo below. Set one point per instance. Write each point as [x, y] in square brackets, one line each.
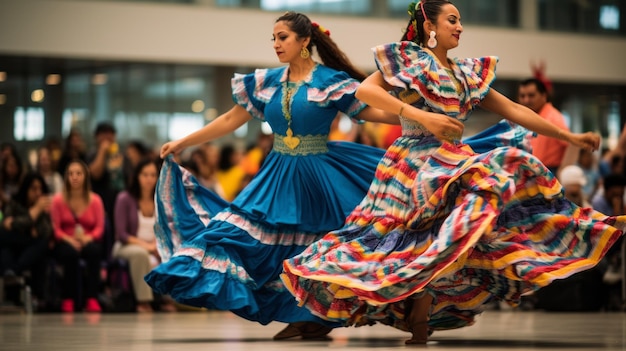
[417, 10]
[327, 49]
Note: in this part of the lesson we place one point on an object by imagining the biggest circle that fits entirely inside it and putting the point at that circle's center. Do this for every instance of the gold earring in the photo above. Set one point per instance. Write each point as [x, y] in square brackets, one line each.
[304, 53]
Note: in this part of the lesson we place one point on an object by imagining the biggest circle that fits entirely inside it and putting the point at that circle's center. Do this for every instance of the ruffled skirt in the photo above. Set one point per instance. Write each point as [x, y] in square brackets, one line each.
[229, 256]
[467, 227]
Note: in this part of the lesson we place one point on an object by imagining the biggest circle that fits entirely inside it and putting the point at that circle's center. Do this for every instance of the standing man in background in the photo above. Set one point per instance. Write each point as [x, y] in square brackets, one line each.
[534, 94]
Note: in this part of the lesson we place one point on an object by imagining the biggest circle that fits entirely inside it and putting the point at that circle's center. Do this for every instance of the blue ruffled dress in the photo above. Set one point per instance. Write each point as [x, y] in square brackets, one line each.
[228, 256]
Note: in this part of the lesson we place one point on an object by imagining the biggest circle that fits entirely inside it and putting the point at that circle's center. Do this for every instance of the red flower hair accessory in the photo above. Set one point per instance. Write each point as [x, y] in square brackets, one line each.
[411, 31]
[539, 72]
[320, 28]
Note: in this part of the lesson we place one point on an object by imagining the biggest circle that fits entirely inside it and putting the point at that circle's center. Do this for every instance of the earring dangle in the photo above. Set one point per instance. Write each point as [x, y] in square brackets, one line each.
[304, 53]
[432, 41]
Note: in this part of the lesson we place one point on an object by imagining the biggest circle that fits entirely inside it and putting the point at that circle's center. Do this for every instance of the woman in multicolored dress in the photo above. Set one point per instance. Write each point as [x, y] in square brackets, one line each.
[446, 228]
[228, 256]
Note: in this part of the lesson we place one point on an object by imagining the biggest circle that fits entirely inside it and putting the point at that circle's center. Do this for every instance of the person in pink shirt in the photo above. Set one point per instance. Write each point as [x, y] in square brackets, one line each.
[78, 221]
[534, 94]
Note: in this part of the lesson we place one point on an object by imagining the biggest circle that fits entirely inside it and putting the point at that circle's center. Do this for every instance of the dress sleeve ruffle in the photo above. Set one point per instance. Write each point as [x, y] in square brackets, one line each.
[252, 92]
[337, 88]
[405, 65]
[479, 73]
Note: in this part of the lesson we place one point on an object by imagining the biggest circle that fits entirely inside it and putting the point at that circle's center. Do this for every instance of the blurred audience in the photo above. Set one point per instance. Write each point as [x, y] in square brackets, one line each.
[230, 175]
[134, 153]
[610, 201]
[74, 149]
[589, 166]
[45, 167]
[26, 233]
[204, 168]
[78, 221]
[134, 229]
[11, 172]
[106, 166]
[534, 94]
[574, 180]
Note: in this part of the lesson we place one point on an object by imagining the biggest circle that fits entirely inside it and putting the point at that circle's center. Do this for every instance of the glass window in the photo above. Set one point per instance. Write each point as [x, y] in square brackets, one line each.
[600, 16]
[503, 13]
[28, 124]
[344, 7]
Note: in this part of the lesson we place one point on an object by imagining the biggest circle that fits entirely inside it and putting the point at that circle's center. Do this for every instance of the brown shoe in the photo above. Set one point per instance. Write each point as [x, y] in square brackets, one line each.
[417, 319]
[305, 330]
[292, 330]
[315, 331]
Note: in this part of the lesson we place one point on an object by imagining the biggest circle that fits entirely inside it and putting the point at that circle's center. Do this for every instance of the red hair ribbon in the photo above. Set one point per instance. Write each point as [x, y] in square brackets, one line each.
[539, 72]
[412, 32]
[320, 28]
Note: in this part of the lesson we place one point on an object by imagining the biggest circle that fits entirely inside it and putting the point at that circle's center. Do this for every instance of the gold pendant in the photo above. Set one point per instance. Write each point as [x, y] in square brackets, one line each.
[291, 141]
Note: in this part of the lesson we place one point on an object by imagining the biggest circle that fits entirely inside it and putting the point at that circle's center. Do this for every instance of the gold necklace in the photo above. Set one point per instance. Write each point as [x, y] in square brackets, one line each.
[291, 141]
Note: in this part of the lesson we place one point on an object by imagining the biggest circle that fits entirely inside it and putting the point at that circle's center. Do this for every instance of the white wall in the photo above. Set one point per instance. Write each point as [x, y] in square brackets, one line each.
[207, 35]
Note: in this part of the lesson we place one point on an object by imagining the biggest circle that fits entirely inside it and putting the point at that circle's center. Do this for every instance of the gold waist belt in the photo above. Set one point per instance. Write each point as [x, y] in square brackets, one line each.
[300, 144]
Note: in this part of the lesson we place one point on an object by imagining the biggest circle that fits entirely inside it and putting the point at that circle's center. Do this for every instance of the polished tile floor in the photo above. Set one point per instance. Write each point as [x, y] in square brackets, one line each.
[216, 331]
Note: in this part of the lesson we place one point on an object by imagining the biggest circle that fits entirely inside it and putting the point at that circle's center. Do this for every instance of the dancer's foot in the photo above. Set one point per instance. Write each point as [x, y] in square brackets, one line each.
[315, 331]
[417, 320]
[420, 333]
[292, 330]
[305, 330]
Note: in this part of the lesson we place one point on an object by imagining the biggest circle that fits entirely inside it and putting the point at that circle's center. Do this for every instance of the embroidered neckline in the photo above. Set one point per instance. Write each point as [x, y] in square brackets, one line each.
[307, 80]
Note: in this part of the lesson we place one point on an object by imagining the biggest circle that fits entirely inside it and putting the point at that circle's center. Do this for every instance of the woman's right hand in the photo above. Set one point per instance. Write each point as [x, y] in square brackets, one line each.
[44, 203]
[74, 243]
[443, 127]
[172, 147]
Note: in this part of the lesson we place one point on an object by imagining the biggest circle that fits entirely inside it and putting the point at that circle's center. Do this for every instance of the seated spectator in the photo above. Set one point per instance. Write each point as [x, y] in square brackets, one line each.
[589, 166]
[26, 234]
[204, 169]
[134, 229]
[230, 175]
[78, 222]
[610, 201]
[74, 149]
[573, 180]
[45, 167]
[11, 172]
[134, 152]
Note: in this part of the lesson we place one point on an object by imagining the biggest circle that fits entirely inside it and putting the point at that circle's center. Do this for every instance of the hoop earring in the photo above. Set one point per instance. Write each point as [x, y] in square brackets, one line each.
[432, 41]
[304, 53]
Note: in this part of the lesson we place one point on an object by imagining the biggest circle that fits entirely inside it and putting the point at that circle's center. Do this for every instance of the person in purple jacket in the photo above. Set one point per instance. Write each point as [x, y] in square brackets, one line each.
[134, 229]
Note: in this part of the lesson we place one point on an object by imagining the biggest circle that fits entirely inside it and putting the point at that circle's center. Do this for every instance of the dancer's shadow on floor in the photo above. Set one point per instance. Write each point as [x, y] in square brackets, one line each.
[434, 343]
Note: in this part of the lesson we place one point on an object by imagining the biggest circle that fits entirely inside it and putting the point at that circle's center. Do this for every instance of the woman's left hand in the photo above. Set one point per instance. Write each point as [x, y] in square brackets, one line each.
[589, 141]
[84, 240]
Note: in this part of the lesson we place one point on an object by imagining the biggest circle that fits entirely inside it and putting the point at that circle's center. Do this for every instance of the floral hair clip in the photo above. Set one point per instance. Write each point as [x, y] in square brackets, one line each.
[412, 32]
[320, 28]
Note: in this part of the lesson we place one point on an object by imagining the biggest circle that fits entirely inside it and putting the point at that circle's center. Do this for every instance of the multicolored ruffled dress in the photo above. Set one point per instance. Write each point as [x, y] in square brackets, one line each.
[466, 224]
[228, 256]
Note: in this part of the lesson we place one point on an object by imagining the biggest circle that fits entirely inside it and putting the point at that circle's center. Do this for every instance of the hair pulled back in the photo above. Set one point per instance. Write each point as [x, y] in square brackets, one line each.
[417, 9]
[327, 49]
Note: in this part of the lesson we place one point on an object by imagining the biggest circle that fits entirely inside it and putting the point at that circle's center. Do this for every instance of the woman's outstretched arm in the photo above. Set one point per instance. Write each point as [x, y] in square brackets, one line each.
[222, 125]
[522, 115]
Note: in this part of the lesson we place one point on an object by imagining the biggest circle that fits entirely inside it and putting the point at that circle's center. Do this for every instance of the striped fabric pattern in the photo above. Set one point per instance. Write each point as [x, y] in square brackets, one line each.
[467, 227]
[405, 65]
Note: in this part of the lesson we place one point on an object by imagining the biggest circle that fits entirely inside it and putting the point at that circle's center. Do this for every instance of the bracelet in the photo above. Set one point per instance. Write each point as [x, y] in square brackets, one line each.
[401, 109]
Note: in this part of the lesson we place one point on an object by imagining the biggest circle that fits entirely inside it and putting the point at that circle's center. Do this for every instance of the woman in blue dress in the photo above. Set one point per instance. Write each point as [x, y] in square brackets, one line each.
[228, 256]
